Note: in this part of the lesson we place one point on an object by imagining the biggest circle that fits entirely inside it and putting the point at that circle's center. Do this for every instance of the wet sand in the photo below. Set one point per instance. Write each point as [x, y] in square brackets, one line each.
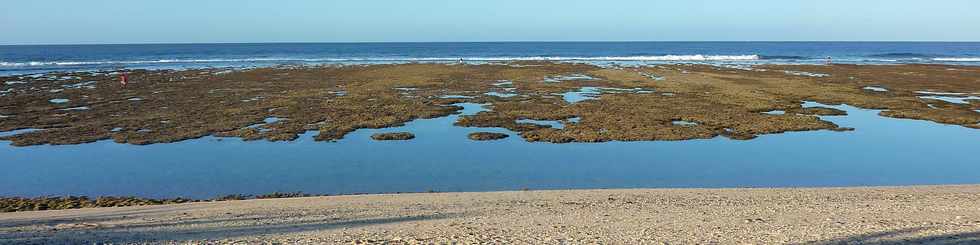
[920, 214]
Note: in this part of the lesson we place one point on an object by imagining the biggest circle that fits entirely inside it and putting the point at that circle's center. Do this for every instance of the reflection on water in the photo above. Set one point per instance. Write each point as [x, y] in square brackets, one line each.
[262, 127]
[550, 123]
[570, 77]
[453, 96]
[683, 123]
[503, 83]
[875, 89]
[16, 132]
[882, 151]
[952, 99]
[502, 95]
[584, 93]
[588, 93]
[806, 74]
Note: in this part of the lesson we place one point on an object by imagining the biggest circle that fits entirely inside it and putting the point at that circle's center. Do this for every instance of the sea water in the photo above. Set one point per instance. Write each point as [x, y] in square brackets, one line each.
[29, 59]
[881, 151]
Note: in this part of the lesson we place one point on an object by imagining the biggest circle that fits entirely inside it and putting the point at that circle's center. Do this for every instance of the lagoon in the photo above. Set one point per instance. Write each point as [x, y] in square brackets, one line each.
[881, 151]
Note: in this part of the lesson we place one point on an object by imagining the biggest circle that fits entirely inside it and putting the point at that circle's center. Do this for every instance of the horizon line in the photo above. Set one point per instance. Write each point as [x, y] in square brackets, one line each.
[386, 42]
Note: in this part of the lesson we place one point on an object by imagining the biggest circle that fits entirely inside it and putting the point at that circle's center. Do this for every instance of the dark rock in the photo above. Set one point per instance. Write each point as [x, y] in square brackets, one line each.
[393, 136]
[482, 136]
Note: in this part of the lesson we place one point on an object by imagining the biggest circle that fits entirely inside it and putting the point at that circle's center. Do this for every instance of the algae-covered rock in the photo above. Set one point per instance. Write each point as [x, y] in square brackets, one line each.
[483, 136]
[823, 111]
[393, 136]
[176, 105]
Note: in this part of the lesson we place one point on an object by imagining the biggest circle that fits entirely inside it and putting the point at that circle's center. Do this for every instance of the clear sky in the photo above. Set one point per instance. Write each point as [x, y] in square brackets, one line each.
[181, 21]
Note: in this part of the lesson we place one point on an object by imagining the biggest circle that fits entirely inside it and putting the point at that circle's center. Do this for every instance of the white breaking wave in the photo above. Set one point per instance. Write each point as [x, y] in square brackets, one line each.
[163, 61]
[397, 59]
[621, 58]
[964, 59]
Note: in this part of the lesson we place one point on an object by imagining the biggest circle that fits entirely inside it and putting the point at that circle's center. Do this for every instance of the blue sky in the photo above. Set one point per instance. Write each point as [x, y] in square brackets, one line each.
[181, 21]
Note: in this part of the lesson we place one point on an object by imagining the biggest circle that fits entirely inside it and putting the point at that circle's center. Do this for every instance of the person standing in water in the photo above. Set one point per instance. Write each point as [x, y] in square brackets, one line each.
[123, 79]
[829, 60]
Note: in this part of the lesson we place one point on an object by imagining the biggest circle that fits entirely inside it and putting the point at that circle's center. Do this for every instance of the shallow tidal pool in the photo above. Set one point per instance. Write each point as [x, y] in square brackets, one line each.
[881, 151]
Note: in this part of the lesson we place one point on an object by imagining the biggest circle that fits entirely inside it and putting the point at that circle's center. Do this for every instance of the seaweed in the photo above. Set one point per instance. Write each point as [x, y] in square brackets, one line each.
[177, 105]
[393, 136]
[484, 136]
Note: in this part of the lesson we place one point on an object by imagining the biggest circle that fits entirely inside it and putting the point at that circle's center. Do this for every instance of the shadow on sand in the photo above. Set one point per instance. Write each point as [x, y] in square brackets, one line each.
[905, 236]
[197, 229]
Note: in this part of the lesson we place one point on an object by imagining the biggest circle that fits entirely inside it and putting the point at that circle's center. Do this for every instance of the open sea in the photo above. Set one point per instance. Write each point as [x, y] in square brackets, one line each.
[24, 59]
[881, 151]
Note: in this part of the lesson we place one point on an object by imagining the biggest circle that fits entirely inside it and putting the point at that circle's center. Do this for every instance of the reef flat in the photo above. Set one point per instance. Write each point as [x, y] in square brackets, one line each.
[593, 103]
[393, 136]
[484, 136]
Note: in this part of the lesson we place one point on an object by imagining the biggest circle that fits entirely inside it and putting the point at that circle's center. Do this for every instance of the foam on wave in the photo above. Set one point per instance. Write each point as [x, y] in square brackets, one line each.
[960, 59]
[901, 55]
[162, 61]
[395, 59]
[784, 57]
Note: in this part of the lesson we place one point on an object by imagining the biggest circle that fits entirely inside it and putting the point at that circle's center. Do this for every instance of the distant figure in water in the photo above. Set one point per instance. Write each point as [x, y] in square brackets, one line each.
[829, 60]
[124, 79]
[460, 60]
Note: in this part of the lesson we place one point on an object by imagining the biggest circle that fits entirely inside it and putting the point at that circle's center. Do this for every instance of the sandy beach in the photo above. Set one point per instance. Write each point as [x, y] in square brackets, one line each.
[920, 214]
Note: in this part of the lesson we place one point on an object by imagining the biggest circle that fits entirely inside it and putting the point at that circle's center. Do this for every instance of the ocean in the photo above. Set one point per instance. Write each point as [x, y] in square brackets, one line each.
[27, 59]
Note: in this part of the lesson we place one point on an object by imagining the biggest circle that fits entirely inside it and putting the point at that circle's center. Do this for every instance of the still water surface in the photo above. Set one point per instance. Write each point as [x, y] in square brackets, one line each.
[882, 151]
